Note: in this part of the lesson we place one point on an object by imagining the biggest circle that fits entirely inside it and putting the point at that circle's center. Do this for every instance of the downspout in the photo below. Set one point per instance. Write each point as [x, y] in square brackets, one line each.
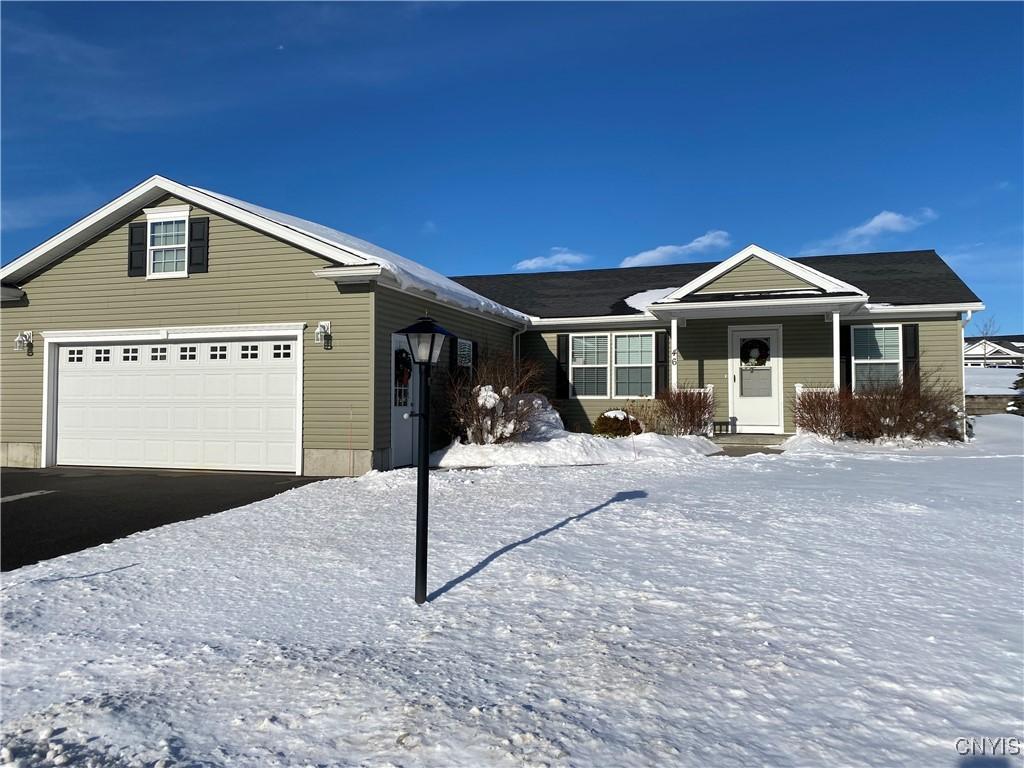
[963, 375]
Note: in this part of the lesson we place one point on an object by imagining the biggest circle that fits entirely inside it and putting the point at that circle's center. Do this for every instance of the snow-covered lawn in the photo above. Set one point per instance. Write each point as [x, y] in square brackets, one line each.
[807, 609]
[991, 381]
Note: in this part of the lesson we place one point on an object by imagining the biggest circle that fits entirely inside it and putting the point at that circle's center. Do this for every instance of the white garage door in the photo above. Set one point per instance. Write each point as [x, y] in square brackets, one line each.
[203, 404]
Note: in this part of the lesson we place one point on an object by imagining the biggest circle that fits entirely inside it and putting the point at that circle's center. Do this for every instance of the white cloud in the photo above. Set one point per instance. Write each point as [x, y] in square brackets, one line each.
[429, 228]
[710, 240]
[559, 259]
[863, 235]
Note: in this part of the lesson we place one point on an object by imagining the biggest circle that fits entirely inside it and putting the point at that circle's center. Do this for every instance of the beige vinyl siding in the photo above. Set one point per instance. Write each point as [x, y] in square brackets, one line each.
[754, 274]
[577, 415]
[393, 311]
[806, 356]
[252, 278]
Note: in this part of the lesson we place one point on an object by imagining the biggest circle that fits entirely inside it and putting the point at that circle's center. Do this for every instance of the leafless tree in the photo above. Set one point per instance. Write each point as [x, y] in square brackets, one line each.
[986, 328]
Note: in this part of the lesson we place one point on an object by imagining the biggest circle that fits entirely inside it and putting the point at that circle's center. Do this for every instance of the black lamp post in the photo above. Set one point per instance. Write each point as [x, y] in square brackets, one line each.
[425, 341]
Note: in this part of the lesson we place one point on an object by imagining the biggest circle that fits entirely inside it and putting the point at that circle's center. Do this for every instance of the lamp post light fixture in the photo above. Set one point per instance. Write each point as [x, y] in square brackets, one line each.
[425, 341]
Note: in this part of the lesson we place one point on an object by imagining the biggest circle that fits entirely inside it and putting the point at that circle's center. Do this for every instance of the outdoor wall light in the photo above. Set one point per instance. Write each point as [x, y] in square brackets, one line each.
[23, 341]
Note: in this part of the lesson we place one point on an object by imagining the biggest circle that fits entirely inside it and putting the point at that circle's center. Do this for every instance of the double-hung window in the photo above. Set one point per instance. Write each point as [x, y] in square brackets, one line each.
[877, 356]
[588, 365]
[633, 364]
[167, 242]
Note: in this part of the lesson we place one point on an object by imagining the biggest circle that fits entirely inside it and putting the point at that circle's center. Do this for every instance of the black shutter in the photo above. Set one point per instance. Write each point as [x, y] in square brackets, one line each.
[453, 355]
[845, 357]
[562, 369]
[198, 244]
[661, 363]
[137, 249]
[911, 355]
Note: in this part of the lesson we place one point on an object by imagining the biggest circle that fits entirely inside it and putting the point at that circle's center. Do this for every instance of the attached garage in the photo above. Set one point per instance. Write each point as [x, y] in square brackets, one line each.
[179, 402]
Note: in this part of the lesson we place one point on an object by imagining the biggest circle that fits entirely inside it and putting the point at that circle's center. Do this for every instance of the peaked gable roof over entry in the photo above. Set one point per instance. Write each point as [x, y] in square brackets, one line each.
[900, 277]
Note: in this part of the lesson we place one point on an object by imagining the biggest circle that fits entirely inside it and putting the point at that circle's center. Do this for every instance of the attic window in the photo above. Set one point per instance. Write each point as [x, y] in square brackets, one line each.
[167, 241]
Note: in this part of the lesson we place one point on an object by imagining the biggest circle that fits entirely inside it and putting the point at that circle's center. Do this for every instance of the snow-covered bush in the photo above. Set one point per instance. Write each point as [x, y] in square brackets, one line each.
[616, 424]
[685, 411]
[493, 403]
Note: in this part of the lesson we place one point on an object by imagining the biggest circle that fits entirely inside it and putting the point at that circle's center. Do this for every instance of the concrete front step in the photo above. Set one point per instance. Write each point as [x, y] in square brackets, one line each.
[747, 439]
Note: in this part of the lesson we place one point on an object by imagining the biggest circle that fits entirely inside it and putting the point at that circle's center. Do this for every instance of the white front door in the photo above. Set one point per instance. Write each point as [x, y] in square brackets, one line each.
[755, 378]
[403, 403]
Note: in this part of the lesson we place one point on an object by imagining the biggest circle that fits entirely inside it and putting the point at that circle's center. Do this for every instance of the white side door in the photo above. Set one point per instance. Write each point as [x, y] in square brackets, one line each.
[755, 378]
[403, 403]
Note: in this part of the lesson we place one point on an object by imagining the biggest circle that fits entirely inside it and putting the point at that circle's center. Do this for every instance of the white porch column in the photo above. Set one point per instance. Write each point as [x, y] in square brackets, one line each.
[835, 351]
[673, 354]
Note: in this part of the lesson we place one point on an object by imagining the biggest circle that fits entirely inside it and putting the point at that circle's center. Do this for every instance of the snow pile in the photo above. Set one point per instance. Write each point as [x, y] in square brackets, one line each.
[407, 273]
[999, 434]
[991, 381]
[548, 444]
[823, 610]
[571, 448]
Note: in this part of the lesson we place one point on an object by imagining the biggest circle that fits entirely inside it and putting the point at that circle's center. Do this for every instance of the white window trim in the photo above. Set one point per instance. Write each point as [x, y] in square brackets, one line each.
[854, 362]
[606, 366]
[155, 215]
[613, 366]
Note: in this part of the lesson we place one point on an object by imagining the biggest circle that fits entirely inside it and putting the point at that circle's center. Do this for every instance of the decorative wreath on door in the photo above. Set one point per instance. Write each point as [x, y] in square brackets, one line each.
[403, 368]
[755, 352]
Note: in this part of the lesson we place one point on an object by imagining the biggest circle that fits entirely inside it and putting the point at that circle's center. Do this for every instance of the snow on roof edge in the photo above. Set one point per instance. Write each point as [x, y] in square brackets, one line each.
[409, 275]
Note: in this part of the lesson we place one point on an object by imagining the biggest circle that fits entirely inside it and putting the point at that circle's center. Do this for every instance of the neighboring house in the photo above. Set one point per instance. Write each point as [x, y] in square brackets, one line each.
[994, 351]
[177, 327]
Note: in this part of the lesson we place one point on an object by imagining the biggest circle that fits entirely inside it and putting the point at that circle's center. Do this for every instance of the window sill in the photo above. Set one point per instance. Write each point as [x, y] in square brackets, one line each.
[167, 276]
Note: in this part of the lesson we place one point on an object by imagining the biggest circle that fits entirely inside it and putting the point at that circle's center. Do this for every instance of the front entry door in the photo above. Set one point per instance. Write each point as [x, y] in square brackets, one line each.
[403, 403]
[755, 378]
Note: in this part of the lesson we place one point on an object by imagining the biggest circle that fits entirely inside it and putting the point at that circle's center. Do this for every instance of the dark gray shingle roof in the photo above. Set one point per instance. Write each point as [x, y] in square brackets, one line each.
[1015, 339]
[901, 277]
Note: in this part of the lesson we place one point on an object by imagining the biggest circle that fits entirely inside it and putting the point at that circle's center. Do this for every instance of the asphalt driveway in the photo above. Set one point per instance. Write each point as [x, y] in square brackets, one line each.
[49, 512]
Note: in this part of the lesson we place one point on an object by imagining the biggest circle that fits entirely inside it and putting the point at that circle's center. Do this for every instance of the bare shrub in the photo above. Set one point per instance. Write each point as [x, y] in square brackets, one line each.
[487, 405]
[611, 424]
[646, 412]
[676, 412]
[823, 412]
[923, 409]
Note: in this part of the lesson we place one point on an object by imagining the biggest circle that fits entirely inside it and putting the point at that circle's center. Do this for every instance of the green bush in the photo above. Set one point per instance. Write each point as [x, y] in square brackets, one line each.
[616, 424]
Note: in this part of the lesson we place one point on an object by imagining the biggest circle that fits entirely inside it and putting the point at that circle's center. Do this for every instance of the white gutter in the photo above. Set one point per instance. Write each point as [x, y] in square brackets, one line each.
[915, 309]
[598, 320]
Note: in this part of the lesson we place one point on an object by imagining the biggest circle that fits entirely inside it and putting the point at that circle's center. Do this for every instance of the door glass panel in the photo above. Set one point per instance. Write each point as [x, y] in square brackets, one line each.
[403, 375]
[756, 382]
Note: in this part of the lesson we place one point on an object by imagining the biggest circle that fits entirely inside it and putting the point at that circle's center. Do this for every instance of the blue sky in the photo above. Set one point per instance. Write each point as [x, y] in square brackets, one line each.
[489, 137]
